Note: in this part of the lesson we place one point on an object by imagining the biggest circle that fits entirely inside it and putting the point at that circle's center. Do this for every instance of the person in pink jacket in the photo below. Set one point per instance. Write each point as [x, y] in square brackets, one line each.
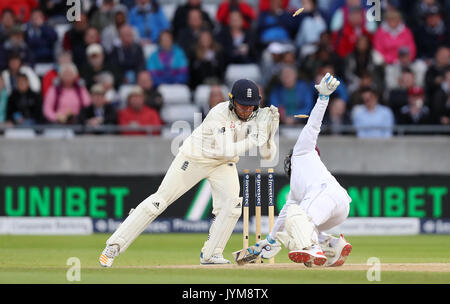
[391, 36]
[64, 101]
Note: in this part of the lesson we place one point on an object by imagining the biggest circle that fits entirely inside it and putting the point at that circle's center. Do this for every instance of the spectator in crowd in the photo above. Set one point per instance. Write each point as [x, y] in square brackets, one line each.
[435, 73]
[21, 8]
[138, 114]
[275, 25]
[420, 10]
[431, 35]
[149, 19]
[188, 36]
[398, 97]
[227, 6]
[206, 62]
[215, 97]
[16, 44]
[292, 96]
[128, 56]
[180, 19]
[393, 71]
[311, 25]
[371, 119]
[99, 112]
[7, 23]
[264, 5]
[92, 36]
[54, 10]
[24, 106]
[391, 36]
[74, 39]
[106, 79]
[273, 60]
[363, 60]
[324, 54]
[50, 77]
[344, 39]
[40, 38]
[415, 112]
[104, 15]
[168, 64]
[3, 101]
[337, 117]
[110, 34]
[236, 41]
[16, 67]
[366, 80]
[65, 100]
[153, 98]
[341, 91]
[343, 15]
[440, 106]
[96, 64]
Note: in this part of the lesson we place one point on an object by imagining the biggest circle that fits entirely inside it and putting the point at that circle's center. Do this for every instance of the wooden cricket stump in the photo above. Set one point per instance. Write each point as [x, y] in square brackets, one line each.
[258, 206]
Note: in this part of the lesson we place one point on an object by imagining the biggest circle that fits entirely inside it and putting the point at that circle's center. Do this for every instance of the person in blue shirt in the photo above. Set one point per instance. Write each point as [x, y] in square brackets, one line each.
[371, 119]
[168, 64]
[292, 96]
[149, 19]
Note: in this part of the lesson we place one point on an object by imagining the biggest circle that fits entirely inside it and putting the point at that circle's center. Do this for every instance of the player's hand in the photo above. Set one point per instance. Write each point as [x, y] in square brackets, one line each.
[267, 248]
[327, 85]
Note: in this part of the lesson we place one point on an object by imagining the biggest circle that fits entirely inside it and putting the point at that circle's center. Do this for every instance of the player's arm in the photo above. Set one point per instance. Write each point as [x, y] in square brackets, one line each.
[224, 141]
[269, 149]
[307, 139]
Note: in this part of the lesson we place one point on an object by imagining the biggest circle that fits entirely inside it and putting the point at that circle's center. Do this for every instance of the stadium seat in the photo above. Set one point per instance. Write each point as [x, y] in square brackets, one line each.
[20, 133]
[42, 68]
[237, 71]
[211, 9]
[171, 113]
[123, 94]
[58, 133]
[149, 49]
[169, 10]
[175, 93]
[61, 29]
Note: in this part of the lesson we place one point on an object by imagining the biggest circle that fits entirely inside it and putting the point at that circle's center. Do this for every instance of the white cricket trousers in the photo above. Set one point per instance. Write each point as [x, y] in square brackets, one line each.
[327, 205]
[181, 176]
[184, 173]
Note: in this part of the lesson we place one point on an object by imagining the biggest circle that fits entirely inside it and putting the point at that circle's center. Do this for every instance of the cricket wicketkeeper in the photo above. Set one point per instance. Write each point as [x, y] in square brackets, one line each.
[211, 151]
[316, 201]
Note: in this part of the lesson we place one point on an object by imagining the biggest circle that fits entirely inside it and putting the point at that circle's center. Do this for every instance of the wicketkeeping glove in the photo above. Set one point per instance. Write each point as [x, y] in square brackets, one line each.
[327, 85]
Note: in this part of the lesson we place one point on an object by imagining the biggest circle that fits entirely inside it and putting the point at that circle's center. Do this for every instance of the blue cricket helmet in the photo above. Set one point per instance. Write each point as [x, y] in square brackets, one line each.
[245, 92]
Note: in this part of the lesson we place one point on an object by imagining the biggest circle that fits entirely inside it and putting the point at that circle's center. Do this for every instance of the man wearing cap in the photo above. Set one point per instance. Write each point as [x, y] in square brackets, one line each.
[211, 151]
[96, 64]
[100, 112]
[415, 112]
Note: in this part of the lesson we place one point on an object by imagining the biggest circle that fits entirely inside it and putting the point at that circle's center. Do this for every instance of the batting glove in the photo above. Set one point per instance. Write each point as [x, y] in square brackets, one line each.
[327, 85]
[267, 248]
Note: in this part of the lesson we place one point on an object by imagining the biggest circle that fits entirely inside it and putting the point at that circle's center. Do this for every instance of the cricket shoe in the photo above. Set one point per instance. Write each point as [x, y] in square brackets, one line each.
[336, 250]
[216, 259]
[109, 253]
[309, 257]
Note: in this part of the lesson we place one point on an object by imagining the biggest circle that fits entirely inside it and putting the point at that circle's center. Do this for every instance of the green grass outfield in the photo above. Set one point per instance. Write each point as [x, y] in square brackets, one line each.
[174, 258]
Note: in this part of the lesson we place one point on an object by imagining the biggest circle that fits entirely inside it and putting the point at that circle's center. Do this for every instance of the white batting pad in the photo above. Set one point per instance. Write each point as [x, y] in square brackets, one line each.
[299, 227]
[137, 221]
[222, 227]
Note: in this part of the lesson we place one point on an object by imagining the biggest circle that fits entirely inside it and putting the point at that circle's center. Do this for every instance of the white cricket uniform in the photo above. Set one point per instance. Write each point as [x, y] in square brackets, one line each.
[211, 152]
[313, 187]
